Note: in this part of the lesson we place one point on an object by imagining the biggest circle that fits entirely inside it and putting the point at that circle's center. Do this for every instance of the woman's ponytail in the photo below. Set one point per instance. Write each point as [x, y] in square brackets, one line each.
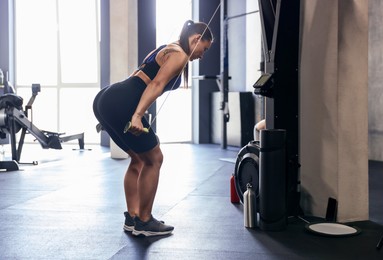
[189, 28]
[184, 36]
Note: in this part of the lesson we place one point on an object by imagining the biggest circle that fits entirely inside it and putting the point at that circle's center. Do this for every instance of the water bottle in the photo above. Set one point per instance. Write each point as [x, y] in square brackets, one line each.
[1, 78]
[249, 207]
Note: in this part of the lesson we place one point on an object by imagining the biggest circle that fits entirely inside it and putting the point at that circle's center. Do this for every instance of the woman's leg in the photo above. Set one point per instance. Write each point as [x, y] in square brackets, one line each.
[131, 182]
[261, 125]
[148, 181]
[141, 182]
[146, 186]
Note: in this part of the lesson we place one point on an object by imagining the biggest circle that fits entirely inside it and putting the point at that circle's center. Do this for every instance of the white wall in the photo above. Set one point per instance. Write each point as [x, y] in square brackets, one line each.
[253, 44]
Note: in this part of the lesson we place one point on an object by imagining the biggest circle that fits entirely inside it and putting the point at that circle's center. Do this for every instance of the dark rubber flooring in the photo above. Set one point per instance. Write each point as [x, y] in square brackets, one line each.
[70, 206]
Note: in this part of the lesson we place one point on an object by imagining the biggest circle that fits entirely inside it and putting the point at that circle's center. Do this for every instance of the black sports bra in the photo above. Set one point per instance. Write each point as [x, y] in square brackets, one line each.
[150, 67]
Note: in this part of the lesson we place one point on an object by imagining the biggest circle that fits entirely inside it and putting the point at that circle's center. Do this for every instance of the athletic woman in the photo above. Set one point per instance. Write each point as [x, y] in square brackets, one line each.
[127, 101]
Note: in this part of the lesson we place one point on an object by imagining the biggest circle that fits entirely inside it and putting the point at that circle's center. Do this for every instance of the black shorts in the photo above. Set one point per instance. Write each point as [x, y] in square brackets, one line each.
[114, 106]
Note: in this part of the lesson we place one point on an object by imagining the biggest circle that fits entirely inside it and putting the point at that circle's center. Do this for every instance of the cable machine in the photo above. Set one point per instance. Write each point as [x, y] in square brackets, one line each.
[279, 85]
[223, 78]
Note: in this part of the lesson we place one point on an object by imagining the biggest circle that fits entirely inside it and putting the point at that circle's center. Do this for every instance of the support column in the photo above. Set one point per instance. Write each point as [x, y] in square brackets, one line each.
[334, 107]
[123, 48]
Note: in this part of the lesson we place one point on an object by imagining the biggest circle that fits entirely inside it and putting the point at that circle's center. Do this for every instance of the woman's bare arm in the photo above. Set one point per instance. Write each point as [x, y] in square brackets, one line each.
[171, 67]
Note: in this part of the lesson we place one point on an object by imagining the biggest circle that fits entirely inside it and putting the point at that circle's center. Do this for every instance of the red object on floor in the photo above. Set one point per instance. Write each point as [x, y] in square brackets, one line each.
[233, 192]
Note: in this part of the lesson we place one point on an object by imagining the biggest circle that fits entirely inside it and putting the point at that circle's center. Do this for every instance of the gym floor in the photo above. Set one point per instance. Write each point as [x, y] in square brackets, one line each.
[70, 206]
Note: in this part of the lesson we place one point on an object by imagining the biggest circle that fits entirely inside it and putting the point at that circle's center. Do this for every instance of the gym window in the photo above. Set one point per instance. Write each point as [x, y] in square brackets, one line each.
[178, 106]
[57, 46]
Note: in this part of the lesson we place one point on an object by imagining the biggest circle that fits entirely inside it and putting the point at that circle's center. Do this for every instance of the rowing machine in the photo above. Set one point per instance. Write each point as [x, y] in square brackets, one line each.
[13, 119]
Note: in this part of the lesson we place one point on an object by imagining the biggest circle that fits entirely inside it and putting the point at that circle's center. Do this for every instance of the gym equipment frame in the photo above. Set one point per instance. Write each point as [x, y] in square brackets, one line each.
[223, 78]
[13, 119]
[279, 86]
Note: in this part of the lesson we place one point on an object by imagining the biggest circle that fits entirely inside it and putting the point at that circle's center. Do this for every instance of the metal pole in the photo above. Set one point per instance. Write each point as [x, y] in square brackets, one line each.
[224, 78]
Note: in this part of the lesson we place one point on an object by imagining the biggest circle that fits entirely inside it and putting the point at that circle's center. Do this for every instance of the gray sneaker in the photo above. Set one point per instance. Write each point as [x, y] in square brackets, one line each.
[129, 222]
[153, 227]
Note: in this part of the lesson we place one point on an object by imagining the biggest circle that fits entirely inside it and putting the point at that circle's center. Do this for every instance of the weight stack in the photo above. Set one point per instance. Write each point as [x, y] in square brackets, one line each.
[272, 180]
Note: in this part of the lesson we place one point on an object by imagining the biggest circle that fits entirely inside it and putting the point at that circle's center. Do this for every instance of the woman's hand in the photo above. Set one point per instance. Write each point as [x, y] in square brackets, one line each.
[136, 126]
